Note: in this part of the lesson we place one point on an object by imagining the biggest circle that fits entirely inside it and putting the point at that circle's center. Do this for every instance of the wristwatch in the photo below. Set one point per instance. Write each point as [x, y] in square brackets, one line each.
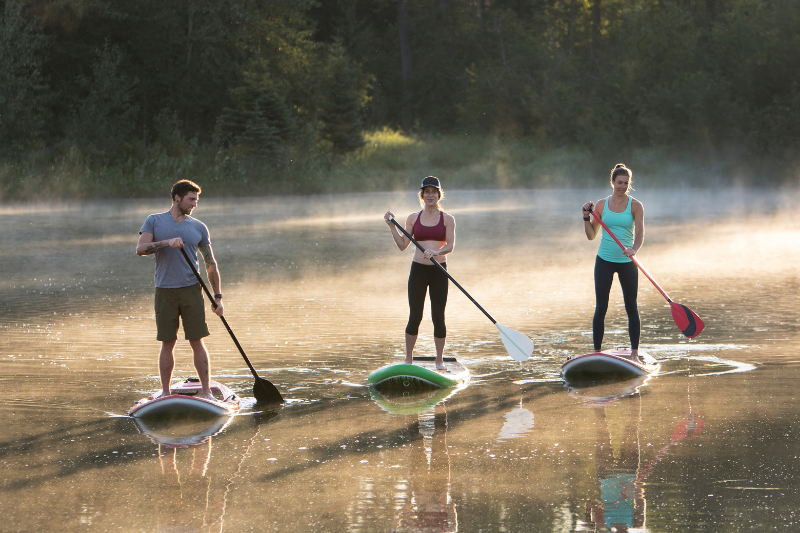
[218, 297]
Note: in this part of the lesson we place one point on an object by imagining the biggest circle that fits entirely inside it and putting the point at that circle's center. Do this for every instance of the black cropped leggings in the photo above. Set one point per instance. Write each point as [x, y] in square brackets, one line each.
[420, 279]
[628, 275]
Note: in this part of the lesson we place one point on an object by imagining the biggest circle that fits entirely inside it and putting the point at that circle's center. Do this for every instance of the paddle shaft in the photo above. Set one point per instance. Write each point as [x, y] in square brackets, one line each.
[445, 271]
[210, 297]
[633, 258]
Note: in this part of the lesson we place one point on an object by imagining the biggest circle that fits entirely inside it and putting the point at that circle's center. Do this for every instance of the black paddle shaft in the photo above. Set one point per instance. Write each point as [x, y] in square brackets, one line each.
[401, 228]
[269, 391]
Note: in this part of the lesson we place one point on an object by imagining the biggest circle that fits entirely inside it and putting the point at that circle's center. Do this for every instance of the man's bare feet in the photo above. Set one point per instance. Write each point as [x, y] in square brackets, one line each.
[206, 395]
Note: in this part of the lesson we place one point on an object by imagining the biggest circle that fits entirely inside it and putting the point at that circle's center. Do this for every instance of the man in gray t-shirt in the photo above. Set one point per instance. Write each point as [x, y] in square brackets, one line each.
[179, 296]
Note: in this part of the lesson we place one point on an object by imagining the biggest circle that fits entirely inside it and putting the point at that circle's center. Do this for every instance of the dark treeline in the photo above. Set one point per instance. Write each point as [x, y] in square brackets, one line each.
[125, 95]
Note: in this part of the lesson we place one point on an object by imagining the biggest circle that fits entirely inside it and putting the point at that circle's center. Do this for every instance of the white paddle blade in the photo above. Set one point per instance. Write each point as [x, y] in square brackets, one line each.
[518, 346]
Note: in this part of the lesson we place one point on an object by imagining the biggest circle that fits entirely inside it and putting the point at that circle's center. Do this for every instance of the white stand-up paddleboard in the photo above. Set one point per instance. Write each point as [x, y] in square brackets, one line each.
[615, 364]
[184, 400]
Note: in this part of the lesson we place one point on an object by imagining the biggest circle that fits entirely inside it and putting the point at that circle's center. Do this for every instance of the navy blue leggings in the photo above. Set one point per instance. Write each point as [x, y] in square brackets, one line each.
[628, 275]
[420, 279]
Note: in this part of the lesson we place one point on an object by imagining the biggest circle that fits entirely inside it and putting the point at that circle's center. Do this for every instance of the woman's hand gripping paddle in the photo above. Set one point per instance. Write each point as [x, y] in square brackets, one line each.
[263, 390]
[687, 321]
[518, 346]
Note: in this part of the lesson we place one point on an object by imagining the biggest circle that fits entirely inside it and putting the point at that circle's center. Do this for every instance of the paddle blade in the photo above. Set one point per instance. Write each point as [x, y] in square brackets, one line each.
[518, 346]
[266, 392]
[687, 321]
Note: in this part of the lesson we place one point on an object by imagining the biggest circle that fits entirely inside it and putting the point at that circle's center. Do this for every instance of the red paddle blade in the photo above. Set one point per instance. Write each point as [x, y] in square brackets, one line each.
[687, 321]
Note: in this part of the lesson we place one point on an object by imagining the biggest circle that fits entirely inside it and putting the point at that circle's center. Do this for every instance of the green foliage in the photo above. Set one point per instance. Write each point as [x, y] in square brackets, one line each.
[24, 93]
[274, 95]
[342, 107]
[105, 115]
[258, 124]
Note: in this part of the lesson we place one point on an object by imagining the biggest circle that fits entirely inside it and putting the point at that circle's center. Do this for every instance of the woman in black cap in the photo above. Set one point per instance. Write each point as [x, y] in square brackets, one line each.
[435, 231]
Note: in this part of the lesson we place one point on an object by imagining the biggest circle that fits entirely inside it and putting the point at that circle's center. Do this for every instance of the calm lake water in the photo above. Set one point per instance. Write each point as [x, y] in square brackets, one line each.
[315, 292]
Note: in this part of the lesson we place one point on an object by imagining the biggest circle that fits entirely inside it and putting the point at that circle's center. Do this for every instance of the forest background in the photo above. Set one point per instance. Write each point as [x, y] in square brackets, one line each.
[101, 98]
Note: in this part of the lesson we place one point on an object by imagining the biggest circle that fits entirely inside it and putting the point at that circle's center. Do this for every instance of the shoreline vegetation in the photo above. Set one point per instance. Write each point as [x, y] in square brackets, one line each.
[388, 161]
[119, 99]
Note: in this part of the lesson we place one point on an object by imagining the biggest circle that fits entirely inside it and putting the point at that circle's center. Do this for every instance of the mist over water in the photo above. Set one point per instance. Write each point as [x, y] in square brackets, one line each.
[315, 291]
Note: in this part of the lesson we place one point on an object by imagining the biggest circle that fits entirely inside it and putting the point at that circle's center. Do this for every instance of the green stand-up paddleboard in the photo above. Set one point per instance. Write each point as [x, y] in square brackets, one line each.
[421, 374]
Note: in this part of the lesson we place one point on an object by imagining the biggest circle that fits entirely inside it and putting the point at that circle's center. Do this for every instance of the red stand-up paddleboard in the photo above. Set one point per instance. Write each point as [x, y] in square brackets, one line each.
[616, 364]
[184, 401]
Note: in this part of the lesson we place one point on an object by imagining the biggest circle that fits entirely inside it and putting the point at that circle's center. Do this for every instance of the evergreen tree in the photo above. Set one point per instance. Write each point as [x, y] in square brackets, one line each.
[342, 109]
[105, 117]
[24, 92]
[258, 123]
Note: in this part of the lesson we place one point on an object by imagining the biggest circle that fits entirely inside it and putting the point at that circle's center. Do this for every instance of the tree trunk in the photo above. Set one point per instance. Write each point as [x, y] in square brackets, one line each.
[441, 8]
[405, 62]
[597, 20]
[189, 39]
[711, 9]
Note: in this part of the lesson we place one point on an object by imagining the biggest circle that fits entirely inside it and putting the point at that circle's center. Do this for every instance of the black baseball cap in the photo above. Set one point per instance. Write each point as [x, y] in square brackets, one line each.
[430, 181]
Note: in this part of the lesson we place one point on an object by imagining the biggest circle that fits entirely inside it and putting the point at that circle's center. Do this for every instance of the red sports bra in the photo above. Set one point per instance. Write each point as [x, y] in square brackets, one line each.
[430, 233]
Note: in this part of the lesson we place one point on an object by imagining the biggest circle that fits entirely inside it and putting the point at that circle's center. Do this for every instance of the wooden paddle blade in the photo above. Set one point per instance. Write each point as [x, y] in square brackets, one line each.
[266, 392]
[687, 321]
[518, 346]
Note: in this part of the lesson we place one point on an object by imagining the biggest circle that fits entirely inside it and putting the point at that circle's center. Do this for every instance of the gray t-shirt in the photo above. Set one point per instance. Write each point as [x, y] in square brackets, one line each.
[172, 271]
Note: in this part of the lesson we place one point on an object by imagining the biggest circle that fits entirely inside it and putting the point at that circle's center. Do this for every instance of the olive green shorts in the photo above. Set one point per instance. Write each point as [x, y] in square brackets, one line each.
[186, 303]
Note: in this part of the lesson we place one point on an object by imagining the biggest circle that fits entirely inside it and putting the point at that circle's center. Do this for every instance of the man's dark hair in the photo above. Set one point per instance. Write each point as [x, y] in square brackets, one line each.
[184, 187]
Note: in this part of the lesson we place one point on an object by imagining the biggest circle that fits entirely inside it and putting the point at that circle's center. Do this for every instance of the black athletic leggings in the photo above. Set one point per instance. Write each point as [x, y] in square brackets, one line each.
[420, 278]
[628, 275]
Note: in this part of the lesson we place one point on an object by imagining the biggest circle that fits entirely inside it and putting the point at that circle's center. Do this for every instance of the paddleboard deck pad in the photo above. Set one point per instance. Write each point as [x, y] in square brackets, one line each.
[184, 400]
[421, 374]
[609, 364]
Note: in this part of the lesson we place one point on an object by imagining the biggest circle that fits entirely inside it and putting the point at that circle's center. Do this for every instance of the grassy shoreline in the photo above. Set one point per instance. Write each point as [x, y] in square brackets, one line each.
[388, 161]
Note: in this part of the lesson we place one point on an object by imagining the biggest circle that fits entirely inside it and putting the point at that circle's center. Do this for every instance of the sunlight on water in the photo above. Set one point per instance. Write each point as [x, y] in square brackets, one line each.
[315, 291]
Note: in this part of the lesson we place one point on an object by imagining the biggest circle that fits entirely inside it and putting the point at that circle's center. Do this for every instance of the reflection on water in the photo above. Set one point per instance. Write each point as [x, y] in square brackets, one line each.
[621, 505]
[602, 393]
[185, 501]
[425, 502]
[620, 466]
[519, 422]
[315, 291]
[176, 432]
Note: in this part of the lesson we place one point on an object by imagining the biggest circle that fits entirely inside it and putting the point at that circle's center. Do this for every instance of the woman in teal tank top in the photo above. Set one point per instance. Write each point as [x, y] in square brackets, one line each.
[624, 216]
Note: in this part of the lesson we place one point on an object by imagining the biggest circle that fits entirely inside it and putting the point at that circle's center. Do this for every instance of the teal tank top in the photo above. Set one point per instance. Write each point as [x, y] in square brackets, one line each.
[621, 224]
